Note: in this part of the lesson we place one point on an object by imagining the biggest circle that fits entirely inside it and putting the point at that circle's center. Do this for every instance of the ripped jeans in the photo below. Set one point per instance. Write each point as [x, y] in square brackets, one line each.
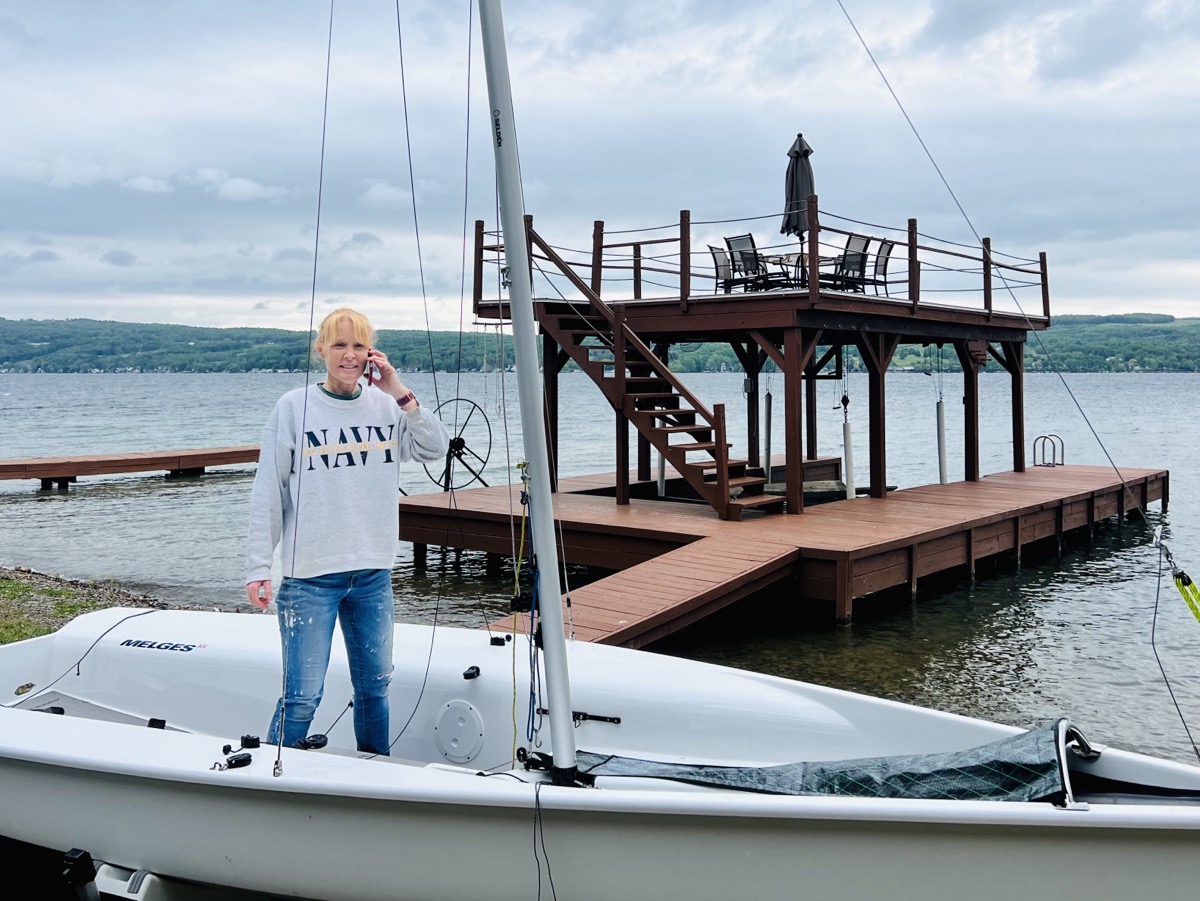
[362, 602]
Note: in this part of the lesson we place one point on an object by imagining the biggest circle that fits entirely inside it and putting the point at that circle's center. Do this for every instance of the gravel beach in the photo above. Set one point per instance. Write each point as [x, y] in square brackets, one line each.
[33, 603]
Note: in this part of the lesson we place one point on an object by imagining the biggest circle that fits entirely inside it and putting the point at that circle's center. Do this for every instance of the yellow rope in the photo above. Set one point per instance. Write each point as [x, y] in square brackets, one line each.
[1189, 590]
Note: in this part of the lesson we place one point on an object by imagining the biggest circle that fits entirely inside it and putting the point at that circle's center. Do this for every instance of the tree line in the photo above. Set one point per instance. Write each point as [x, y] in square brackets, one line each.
[1135, 342]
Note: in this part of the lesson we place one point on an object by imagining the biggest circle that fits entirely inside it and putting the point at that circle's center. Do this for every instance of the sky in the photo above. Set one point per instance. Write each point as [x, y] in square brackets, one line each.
[162, 162]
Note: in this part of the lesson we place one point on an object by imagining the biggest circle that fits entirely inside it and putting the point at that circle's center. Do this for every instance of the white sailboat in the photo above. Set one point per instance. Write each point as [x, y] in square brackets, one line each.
[119, 735]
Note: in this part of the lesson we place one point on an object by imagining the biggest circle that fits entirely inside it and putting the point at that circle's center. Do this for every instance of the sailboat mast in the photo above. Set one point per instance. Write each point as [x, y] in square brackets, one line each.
[533, 428]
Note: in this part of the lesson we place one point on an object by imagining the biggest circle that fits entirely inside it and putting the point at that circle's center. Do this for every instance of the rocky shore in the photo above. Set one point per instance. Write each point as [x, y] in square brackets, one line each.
[33, 603]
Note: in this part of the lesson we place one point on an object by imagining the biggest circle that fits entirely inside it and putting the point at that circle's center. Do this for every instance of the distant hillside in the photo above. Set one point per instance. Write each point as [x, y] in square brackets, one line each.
[90, 345]
[1136, 342]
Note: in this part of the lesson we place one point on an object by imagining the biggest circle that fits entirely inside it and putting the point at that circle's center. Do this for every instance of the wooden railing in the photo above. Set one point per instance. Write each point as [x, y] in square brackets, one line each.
[644, 257]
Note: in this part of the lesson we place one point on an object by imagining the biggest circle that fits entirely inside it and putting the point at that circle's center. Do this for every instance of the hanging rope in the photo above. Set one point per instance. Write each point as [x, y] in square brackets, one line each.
[1187, 588]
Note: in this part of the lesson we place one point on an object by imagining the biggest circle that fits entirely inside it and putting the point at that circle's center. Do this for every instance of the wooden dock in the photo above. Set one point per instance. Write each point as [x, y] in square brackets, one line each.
[62, 471]
[676, 562]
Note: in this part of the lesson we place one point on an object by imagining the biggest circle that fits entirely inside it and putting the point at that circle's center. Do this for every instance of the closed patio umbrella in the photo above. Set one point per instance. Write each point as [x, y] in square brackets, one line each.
[797, 186]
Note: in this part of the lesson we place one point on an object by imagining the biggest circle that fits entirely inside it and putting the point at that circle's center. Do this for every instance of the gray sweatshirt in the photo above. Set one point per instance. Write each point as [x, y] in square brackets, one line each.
[328, 481]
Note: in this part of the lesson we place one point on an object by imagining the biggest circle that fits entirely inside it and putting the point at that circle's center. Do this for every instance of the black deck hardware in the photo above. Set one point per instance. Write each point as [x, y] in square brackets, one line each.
[580, 716]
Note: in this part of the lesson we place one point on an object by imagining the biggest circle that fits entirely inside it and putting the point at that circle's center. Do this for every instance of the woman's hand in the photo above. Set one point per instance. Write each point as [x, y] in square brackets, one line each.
[259, 593]
[389, 379]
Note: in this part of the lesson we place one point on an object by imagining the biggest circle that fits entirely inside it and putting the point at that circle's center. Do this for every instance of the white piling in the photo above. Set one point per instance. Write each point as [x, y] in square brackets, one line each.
[941, 440]
[849, 452]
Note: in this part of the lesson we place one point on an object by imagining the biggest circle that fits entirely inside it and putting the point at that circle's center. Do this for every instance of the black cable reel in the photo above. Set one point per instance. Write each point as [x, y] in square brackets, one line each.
[470, 445]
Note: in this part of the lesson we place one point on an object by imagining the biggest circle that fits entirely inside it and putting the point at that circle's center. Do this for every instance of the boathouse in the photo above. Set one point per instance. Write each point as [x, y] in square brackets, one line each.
[624, 302]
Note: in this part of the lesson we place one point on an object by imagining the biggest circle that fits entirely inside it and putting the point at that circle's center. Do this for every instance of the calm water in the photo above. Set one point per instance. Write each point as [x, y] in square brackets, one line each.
[1064, 637]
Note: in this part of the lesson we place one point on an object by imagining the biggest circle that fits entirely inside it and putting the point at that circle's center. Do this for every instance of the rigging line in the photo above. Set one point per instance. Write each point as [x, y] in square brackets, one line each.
[308, 366]
[462, 277]
[82, 657]
[412, 191]
[971, 226]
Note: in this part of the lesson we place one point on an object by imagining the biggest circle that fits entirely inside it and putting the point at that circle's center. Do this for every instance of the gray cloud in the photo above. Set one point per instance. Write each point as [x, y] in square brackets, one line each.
[118, 258]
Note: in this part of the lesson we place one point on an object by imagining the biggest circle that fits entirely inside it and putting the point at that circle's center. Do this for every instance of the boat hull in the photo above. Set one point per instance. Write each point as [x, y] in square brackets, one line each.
[337, 825]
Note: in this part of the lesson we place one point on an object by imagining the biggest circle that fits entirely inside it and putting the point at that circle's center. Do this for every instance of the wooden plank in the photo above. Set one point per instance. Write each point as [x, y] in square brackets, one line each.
[61, 468]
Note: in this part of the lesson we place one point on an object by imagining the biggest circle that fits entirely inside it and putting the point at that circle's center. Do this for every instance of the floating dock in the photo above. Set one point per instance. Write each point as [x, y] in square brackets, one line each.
[676, 562]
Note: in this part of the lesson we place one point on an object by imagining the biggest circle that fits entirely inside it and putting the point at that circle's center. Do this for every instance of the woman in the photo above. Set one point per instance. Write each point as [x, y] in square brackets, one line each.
[326, 496]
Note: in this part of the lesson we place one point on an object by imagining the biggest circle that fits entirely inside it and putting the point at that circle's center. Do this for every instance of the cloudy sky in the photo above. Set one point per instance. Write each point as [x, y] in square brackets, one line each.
[160, 161]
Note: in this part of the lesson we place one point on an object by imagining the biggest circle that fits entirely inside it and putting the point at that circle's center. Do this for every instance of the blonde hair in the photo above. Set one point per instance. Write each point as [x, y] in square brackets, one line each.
[363, 330]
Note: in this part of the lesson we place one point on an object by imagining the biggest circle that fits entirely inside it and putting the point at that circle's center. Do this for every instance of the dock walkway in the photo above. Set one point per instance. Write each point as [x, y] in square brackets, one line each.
[61, 471]
[676, 562]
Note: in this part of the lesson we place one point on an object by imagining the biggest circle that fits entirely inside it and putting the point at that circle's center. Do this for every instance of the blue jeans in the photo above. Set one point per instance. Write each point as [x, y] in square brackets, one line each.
[362, 601]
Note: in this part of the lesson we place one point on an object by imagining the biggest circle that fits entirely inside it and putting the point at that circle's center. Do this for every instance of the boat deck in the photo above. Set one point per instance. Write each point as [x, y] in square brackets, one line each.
[676, 562]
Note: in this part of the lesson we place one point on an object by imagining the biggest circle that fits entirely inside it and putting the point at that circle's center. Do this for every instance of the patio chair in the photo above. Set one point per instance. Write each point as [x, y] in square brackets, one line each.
[748, 265]
[726, 281]
[879, 278]
[850, 274]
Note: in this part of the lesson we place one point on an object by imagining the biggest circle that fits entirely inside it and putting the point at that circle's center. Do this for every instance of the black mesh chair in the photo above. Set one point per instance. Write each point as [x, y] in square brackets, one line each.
[850, 274]
[879, 278]
[748, 265]
[726, 280]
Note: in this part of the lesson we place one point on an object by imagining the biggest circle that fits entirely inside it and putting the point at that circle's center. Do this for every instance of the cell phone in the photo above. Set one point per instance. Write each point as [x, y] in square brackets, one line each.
[370, 370]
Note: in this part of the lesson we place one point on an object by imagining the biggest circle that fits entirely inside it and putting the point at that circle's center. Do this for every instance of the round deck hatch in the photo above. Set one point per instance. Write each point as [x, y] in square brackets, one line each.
[458, 732]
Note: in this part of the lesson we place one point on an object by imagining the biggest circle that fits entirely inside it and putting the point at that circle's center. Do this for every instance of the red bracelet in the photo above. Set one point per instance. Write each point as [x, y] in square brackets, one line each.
[408, 397]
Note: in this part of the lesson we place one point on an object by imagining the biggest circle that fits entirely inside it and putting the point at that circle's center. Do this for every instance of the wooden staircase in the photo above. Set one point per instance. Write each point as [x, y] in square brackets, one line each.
[641, 387]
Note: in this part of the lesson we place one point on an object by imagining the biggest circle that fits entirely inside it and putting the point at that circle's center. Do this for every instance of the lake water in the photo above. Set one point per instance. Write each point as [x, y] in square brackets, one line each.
[1068, 636]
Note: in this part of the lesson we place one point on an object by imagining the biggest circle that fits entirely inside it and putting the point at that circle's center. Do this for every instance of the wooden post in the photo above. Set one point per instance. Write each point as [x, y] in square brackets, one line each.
[1016, 357]
[987, 277]
[637, 271]
[722, 456]
[619, 366]
[914, 266]
[597, 254]
[529, 243]
[814, 251]
[792, 392]
[810, 412]
[685, 256]
[1045, 284]
[971, 355]
[751, 357]
[622, 458]
[550, 369]
[877, 351]
[843, 592]
[477, 269]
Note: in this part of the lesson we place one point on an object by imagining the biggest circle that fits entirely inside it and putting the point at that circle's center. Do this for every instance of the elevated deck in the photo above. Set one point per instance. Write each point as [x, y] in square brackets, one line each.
[677, 562]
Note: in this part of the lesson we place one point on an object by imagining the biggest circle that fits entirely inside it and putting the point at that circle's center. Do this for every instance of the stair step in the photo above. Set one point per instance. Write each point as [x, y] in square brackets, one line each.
[678, 429]
[697, 446]
[740, 481]
[674, 416]
[758, 500]
[712, 464]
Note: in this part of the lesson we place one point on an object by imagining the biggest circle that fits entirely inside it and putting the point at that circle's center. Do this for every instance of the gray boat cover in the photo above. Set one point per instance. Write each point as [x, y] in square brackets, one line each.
[1030, 766]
